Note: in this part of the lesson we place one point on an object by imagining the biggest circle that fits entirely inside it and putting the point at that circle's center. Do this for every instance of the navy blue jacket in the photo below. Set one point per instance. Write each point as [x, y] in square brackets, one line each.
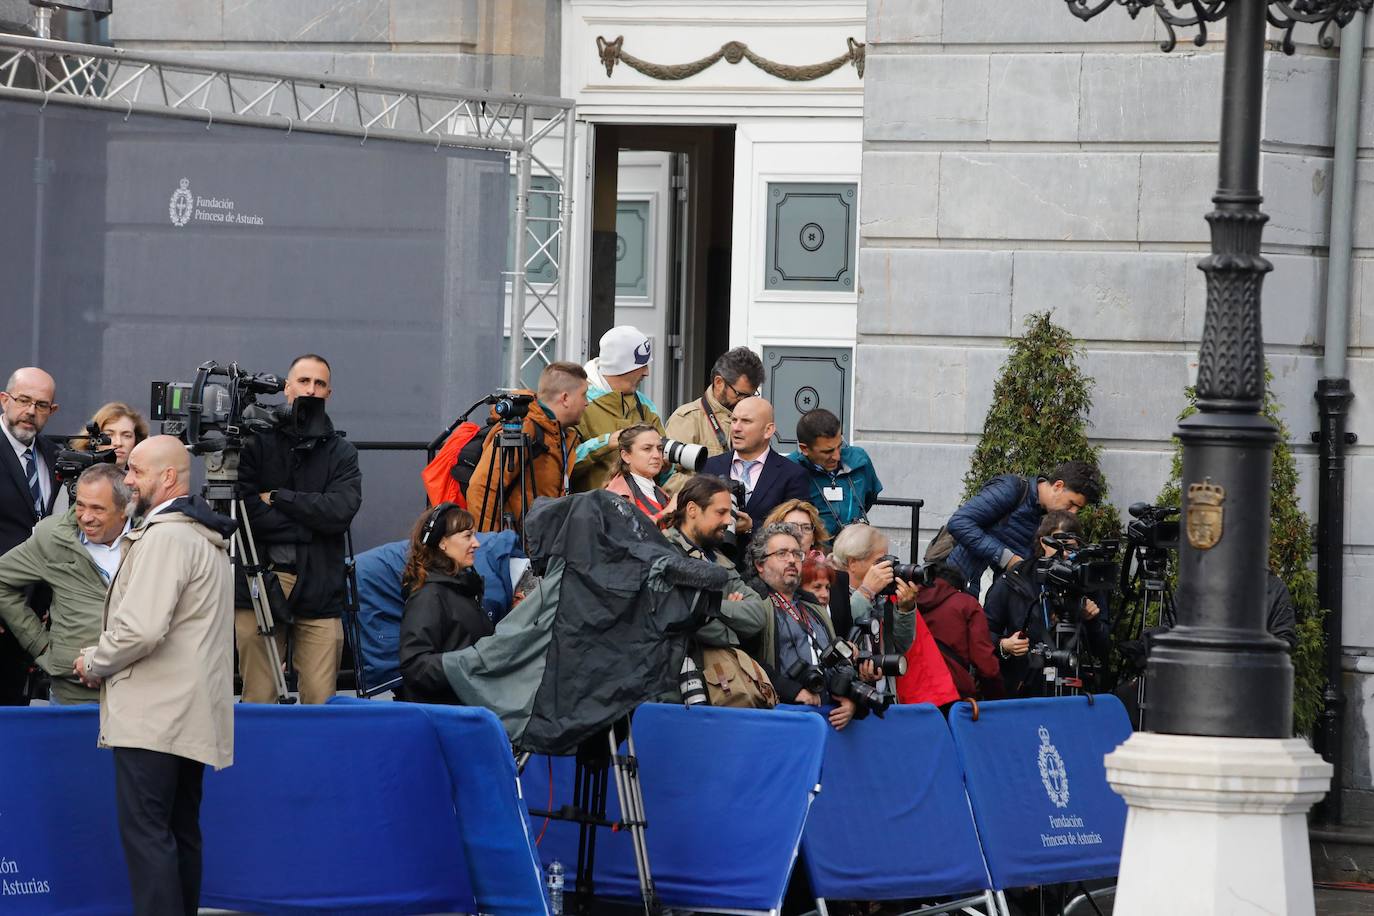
[779, 480]
[998, 523]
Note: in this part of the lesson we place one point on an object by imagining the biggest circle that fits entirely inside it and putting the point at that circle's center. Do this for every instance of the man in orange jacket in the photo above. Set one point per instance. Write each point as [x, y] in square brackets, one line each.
[549, 427]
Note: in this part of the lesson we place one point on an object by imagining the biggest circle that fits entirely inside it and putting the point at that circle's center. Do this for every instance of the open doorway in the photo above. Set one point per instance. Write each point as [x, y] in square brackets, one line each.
[662, 207]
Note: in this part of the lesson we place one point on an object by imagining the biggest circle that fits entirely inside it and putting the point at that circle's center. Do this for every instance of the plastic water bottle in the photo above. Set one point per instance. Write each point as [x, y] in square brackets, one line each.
[555, 883]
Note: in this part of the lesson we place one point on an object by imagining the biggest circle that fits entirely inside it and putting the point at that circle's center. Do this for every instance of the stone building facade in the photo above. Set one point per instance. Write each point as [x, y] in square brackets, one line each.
[1016, 160]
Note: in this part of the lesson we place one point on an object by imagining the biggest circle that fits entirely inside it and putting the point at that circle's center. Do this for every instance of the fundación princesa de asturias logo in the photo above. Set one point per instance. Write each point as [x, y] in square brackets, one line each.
[182, 204]
[1052, 771]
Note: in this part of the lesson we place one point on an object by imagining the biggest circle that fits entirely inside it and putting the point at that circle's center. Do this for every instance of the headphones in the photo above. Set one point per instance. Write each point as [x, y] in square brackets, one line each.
[433, 531]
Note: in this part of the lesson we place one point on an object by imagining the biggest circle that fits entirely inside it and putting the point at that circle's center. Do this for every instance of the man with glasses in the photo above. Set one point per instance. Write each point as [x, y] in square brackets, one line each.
[27, 492]
[801, 631]
[737, 374]
[843, 482]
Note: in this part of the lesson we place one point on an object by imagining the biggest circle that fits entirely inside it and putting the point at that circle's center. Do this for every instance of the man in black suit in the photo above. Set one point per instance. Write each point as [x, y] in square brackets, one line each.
[27, 491]
[769, 479]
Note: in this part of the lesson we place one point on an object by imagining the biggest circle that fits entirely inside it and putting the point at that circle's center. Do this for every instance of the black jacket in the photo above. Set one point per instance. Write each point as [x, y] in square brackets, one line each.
[442, 615]
[318, 491]
[1013, 601]
[779, 480]
[17, 515]
[1281, 618]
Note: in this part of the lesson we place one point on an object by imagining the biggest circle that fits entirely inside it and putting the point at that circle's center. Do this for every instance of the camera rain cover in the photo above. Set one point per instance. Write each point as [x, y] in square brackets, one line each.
[605, 630]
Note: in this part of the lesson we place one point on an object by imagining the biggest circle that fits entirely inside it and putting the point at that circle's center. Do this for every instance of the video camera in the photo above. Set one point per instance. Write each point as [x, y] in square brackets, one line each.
[216, 411]
[511, 405]
[70, 462]
[1153, 526]
[835, 672]
[1076, 570]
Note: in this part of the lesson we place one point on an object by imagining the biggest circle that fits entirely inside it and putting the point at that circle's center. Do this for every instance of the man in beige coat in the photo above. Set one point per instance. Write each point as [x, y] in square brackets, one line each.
[736, 375]
[164, 663]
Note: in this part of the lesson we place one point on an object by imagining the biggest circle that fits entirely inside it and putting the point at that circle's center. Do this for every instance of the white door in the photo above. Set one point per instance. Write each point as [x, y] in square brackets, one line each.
[644, 267]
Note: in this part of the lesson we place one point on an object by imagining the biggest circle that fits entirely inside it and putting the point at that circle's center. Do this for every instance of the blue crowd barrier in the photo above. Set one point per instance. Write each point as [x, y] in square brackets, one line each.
[892, 821]
[59, 837]
[726, 794]
[1038, 786]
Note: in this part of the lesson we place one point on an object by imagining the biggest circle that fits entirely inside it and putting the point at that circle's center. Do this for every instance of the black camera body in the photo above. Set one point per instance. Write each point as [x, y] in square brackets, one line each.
[216, 411]
[835, 672]
[914, 573]
[511, 405]
[738, 496]
[1078, 570]
[868, 636]
[1154, 527]
[70, 462]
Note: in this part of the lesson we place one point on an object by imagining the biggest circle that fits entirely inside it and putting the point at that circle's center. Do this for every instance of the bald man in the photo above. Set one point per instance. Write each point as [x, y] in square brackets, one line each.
[27, 492]
[768, 477]
[164, 665]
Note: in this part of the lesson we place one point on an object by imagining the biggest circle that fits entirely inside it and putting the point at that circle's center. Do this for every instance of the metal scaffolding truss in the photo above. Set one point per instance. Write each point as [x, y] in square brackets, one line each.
[536, 132]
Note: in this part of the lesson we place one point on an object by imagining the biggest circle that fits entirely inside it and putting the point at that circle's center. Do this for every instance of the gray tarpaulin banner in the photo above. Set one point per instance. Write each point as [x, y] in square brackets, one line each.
[132, 250]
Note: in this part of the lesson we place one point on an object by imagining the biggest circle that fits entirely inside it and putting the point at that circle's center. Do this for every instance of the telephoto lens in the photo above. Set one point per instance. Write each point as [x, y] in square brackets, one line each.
[685, 455]
[691, 684]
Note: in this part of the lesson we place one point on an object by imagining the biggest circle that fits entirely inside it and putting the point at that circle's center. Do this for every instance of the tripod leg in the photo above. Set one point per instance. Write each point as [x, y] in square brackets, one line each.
[632, 815]
[243, 545]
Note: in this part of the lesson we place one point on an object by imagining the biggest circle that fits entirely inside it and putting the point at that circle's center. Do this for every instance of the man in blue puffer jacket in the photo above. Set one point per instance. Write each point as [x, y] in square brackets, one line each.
[995, 528]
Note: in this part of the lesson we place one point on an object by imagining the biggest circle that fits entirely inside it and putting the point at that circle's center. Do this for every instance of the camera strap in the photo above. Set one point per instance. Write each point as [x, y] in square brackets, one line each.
[715, 424]
[794, 612]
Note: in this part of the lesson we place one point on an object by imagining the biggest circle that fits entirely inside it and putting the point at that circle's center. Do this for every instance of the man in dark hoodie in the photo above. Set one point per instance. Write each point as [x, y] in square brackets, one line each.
[168, 618]
[301, 485]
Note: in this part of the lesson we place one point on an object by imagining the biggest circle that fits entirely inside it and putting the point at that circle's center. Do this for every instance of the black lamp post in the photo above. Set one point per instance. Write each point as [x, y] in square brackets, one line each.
[1219, 672]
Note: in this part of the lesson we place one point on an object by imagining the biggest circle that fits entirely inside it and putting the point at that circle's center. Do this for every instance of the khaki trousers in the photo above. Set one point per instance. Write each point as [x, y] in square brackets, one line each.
[318, 649]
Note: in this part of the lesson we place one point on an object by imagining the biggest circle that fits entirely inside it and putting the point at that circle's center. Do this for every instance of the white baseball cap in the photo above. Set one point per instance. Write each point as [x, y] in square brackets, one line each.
[624, 349]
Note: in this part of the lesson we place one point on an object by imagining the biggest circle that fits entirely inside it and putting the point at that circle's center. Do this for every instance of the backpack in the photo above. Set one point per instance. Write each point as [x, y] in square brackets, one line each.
[942, 545]
[442, 477]
[733, 678]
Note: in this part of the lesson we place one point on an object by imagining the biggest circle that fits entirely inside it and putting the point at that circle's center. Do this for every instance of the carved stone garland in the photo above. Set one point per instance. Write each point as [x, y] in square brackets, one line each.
[612, 52]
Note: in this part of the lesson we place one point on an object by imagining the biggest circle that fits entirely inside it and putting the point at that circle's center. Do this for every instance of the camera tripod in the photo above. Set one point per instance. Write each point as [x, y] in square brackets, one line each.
[221, 474]
[588, 811]
[511, 455]
[1145, 587]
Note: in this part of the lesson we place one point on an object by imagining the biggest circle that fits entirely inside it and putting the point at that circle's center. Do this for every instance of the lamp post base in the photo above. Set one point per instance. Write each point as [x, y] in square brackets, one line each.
[1216, 825]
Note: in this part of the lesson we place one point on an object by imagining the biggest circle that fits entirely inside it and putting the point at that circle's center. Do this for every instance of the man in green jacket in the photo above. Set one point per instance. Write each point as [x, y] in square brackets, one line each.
[75, 554]
[614, 402]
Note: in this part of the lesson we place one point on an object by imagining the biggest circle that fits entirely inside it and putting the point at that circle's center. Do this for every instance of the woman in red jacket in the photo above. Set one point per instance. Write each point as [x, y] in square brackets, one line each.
[956, 620]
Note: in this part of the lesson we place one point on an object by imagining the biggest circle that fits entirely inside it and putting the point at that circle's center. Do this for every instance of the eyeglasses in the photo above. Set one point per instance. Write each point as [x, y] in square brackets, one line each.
[794, 554]
[24, 401]
[740, 394]
[803, 526]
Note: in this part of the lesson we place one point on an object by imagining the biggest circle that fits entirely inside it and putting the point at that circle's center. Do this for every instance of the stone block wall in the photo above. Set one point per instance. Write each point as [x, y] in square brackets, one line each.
[495, 45]
[1017, 159]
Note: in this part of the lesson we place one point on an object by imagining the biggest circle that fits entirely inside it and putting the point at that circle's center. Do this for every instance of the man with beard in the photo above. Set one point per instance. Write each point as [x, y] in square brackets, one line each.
[301, 485]
[169, 617]
[697, 527]
[27, 493]
[802, 630]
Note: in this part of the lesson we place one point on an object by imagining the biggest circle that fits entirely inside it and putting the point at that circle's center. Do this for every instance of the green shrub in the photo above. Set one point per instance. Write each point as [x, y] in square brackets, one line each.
[1039, 417]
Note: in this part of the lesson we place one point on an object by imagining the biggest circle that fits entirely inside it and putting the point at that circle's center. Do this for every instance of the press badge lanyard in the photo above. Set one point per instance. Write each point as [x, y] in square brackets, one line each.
[783, 604]
[715, 424]
[831, 494]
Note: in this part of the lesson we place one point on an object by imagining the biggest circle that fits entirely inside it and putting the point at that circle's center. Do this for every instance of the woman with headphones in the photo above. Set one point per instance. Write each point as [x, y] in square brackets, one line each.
[444, 609]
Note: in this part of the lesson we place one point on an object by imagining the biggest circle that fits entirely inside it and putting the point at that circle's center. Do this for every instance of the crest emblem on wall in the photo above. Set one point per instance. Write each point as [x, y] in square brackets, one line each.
[1206, 515]
[182, 204]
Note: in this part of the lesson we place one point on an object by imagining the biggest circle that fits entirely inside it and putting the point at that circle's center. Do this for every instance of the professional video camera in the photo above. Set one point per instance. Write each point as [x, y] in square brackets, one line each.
[511, 404]
[1151, 526]
[868, 637]
[1066, 578]
[218, 410]
[914, 573]
[835, 672]
[70, 462]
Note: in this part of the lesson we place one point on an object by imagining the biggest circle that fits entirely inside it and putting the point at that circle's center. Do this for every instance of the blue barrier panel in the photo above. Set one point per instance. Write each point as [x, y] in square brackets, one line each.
[892, 820]
[333, 809]
[59, 837]
[505, 871]
[1038, 785]
[726, 794]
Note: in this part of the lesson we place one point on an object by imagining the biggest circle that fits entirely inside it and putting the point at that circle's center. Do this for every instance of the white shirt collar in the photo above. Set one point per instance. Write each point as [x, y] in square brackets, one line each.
[760, 457]
[87, 542]
[645, 485]
[159, 507]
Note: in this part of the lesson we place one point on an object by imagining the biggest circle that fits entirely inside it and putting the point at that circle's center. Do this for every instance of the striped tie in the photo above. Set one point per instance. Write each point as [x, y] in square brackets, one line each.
[31, 469]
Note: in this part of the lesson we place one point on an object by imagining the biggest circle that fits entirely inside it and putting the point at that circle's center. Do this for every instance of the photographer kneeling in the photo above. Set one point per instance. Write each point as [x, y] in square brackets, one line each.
[1021, 615]
[443, 609]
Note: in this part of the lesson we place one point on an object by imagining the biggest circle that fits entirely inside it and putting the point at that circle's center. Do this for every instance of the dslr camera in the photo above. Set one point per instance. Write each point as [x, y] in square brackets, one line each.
[868, 637]
[836, 673]
[738, 496]
[914, 573]
[218, 410]
[70, 462]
